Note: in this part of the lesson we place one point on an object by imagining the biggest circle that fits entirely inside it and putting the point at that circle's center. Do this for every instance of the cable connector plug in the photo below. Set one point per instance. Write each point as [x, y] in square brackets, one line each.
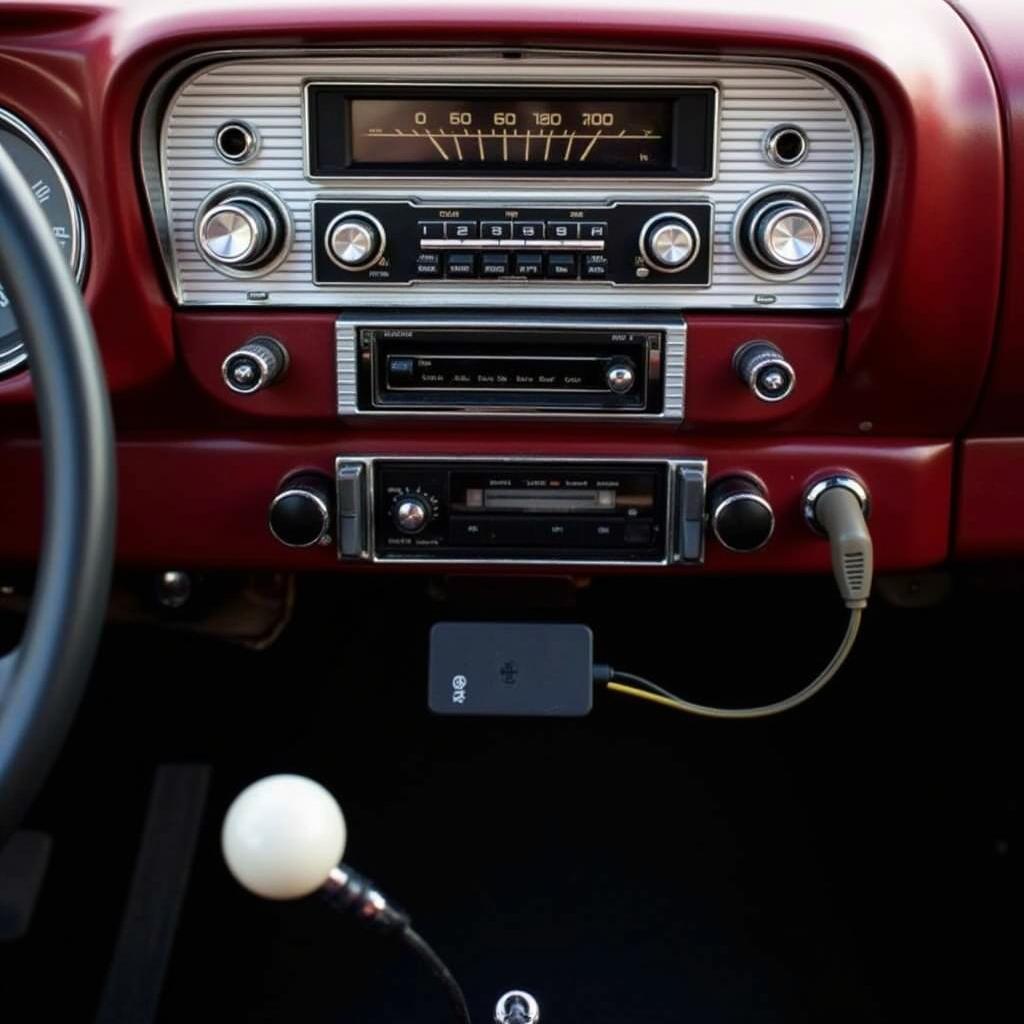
[837, 507]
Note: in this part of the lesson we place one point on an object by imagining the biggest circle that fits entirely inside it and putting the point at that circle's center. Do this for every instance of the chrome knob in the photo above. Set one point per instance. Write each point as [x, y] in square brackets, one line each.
[300, 514]
[355, 241]
[254, 366]
[740, 515]
[783, 233]
[620, 377]
[239, 233]
[669, 242]
[411, 514]
[762, 367]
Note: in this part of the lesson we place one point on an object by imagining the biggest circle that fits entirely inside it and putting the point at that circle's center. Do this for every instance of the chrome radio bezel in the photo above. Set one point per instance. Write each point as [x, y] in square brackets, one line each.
[673, 368]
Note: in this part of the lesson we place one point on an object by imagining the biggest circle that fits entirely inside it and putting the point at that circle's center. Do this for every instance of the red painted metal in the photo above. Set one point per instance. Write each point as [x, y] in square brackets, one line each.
[990, 498]
[715, 396]
[205, 504]
[1000, 29]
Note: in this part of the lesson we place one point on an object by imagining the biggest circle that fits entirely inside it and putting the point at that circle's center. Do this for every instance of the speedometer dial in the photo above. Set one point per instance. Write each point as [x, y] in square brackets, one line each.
[57, 201]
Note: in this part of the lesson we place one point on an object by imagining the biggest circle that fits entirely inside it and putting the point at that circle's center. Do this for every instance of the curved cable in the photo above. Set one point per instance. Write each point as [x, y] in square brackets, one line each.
[453, 990]
[667, 699]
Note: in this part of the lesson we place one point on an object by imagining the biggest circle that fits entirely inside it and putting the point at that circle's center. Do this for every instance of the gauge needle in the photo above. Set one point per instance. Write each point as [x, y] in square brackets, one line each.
[568, 146]
[586, 152]
[526, 157]
[480, 140]
[437, 145]
[547, 145]
[504, 145]
[458, 148]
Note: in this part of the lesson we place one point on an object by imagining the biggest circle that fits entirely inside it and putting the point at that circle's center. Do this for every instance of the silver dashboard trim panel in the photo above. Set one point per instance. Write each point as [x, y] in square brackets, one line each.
[838, 168]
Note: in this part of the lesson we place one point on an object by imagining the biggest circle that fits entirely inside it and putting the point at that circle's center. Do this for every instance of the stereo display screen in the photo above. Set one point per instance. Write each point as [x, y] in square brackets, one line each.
[668, 134]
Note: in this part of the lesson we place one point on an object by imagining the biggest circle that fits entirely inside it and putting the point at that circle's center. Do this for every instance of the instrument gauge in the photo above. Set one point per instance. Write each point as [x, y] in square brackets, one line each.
[57, 201]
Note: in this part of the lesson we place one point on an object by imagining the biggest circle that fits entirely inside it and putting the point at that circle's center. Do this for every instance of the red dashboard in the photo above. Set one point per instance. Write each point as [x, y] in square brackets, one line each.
[909, 381]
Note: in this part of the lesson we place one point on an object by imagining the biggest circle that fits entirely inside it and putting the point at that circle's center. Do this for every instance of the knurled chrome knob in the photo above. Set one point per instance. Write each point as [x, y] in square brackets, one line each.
[669, 242]
[763, 368]
[254, 366]
[355, 241]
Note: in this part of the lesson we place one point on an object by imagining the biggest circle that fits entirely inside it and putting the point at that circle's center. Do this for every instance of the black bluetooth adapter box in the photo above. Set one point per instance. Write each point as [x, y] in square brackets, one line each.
[511, 668]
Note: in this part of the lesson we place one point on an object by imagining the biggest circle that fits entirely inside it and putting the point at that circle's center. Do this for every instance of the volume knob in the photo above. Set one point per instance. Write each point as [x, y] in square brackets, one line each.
[240, 233]
[412, 513]
[784, 233]
[669, 242]
[355, 240]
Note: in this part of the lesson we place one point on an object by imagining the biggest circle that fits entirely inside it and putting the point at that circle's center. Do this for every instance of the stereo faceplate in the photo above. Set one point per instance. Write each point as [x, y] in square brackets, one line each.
[521, 510]
[431, 365]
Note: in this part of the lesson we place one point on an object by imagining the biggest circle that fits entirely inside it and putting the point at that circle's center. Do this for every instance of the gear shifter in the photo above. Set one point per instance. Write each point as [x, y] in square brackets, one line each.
[284, 837]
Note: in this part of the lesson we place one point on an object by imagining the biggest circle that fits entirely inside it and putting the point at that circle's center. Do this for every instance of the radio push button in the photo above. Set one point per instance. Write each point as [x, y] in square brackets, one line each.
[563, 230]
[431, 228]
[528, 229]
[428, 264]
[562, 265]
[494, 265]
[460, 264]
[595, 264]
[529, 264]
[594, 231]
[461, 229]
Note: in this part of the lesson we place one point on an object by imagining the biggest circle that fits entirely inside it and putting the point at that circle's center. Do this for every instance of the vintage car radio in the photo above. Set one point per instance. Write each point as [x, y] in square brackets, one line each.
[586, 366]
[579, 511]
[527, 179]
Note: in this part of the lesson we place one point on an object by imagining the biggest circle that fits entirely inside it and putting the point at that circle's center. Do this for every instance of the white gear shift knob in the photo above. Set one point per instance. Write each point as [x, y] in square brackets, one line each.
[283, 836]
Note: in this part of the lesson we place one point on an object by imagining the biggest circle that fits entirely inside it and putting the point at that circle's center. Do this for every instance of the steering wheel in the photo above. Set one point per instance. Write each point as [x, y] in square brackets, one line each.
[43, 678]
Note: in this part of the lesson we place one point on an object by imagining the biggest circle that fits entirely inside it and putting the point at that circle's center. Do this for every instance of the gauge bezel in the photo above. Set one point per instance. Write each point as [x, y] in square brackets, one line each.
[79, 237]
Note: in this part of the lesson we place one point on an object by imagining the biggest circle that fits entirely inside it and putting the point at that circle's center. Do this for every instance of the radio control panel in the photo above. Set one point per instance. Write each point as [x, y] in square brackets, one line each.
[623, 243]
[570, 181]
[526, 365]
[589, 511]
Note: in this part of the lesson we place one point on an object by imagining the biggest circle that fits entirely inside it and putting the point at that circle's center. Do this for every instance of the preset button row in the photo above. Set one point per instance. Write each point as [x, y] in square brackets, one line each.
[524, 230]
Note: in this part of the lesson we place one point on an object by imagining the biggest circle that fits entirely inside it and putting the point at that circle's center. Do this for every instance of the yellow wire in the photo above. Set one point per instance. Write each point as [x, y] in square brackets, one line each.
[654, 698]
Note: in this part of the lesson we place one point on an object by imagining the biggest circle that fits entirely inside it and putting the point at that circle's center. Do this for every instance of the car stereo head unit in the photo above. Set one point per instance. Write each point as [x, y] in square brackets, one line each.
[593, 366]
[527, 510]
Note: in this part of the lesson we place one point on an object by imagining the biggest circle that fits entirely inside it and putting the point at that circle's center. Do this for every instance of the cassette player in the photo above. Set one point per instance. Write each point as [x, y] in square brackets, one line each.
[531, 510]
[528, 366]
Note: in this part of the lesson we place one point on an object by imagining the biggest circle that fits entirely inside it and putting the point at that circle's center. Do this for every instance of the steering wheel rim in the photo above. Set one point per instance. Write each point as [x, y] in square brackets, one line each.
[42, 680]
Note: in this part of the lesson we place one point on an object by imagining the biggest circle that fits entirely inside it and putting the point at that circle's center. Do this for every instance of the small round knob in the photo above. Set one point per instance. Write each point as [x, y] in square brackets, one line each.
[412, 513]
[254, 366]
[620, 377]
[670, 242]
[783, 232]
[283, 836]
[763, 368]
[238, 232]
[355, 241]
[741, 518]
[300, 514]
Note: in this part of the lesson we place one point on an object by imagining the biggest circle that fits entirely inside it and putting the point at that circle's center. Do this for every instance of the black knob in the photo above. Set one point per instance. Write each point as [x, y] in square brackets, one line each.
[763, 368]
[741, 518]
[300, 514]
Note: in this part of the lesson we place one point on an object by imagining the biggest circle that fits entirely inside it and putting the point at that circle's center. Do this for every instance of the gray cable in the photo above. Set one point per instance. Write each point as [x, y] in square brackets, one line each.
[764, 710]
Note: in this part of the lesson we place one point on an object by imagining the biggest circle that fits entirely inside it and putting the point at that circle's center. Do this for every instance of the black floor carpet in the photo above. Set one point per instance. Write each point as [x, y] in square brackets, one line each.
[847, 862]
